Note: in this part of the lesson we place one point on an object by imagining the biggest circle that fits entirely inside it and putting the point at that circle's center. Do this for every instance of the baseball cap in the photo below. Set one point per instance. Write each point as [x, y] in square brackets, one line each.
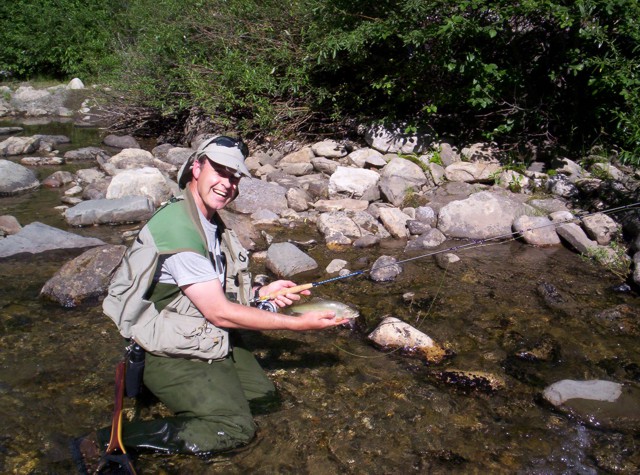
[222, 150]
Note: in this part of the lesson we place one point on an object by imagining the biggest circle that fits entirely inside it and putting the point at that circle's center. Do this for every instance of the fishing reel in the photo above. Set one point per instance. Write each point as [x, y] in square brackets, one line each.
[267, 305]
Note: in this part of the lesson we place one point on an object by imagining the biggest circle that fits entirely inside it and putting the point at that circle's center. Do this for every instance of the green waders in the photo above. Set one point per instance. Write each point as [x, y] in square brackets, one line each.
[211, 403]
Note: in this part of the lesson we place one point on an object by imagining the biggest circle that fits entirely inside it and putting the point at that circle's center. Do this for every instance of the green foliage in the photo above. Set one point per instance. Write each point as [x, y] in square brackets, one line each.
[56, 38]
[500, 70]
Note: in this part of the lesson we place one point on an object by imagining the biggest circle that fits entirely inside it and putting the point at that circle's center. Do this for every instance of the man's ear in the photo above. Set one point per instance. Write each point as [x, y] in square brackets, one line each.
[195, 171]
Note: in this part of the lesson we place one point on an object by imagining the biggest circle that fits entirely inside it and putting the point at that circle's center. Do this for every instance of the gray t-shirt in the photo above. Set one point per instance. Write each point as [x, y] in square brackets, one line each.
[185, 268]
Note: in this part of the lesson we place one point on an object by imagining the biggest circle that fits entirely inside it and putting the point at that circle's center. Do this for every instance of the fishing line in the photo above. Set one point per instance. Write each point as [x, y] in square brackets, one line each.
[474, 243]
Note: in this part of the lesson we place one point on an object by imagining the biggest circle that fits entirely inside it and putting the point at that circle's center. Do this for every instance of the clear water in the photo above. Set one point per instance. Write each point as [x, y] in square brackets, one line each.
[347, 406]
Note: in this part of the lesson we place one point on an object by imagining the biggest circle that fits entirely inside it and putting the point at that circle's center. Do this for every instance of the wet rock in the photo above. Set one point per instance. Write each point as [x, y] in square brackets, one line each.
[90, 175]
[597, 403]
[551, 297]
[286, 260]
[430, 239]
[85, 278]
[335, 265]
[470, 381]
[366, 241]
[545, 349]
[10, 130]
[385, 269]
[15, 178]
[444, 260]
[52, 140]
[130, 209]
[393, 333]
[121, 141]
[36, 237]
[622, 320]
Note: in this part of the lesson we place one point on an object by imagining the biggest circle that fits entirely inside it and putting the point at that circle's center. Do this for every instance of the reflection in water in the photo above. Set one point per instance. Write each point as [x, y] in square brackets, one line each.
[347, 407]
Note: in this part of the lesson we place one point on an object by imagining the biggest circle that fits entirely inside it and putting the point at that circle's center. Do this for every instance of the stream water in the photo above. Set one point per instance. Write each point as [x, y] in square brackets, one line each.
[347, 407]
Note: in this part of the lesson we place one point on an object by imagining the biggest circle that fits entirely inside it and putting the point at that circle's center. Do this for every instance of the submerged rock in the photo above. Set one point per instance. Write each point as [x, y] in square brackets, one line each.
[598, 403]
[469, 381]
[37, 237]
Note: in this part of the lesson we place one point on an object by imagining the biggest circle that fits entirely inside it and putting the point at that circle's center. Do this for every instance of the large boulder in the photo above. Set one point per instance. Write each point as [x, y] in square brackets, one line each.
[354, 182]
[36, 237]
[483, 215]
[130, 209]
[85, 278]
[285, 260]
[15, 178]
[19, 145]
[149, 182]
[257, 194]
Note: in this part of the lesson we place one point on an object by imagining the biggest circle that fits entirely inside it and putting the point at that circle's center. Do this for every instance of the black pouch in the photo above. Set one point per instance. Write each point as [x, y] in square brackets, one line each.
[135, 370]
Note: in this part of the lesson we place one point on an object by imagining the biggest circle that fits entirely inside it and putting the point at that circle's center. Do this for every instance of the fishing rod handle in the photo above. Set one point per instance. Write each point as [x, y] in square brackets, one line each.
[289, 290]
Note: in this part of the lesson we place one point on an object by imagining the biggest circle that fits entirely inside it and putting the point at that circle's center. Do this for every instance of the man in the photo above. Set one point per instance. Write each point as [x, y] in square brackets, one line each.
[185, 320]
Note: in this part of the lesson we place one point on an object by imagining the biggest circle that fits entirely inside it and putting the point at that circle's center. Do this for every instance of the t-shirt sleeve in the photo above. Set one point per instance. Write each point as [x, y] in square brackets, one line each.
[187, 268]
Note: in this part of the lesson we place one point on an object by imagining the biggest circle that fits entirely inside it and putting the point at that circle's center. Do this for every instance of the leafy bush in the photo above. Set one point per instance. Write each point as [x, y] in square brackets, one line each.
[540, 70]
[56, 38]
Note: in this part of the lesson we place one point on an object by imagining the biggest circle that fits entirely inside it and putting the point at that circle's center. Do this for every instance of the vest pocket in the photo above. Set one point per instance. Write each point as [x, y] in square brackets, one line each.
[173, 334]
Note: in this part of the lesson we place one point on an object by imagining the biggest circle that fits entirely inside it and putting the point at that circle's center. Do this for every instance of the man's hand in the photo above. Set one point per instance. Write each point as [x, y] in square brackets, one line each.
[285, 299]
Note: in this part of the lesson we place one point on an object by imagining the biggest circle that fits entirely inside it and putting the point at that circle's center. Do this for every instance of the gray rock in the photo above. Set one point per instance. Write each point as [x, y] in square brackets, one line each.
[9, 225]
[448, 155]
[351, 224]
[121, 141]
[53, 139]
[416, 227]
[132, 158]
[353, 182]
[406, 170]
[393, 141]
[395, 221]
[58, 179]
[10, 130]
[576, 238]
[131, 209]
[361, 157]
[427, 215]
[296, 169]
[85, 153]
[286, 260]
[395, 189]
[324, 165]
[329, 149]
[15, 178]
[147, 182]
[548, 205]
[89, 175]
[19, 145]
[600, 227]
[430, 239]
[298, 199]
[537, 230]
[345, 204]
[36, 237]
[483, 215]
[42, 161]
[385, 269]
[472, 172]
[257, 194]
[177, 156]
[85, 278]
[444, 260]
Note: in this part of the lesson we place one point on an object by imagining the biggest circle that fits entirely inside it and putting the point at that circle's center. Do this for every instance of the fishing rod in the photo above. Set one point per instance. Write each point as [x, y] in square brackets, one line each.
[469, 245]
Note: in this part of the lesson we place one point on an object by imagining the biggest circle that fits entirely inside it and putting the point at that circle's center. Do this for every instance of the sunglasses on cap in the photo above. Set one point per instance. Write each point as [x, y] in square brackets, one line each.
[225, 141]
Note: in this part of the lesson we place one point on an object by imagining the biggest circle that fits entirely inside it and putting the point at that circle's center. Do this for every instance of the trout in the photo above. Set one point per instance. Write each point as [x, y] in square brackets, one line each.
[342, 310]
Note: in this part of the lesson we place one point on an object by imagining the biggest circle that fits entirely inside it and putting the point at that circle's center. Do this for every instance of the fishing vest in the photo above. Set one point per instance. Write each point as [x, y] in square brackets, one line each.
[160, 317]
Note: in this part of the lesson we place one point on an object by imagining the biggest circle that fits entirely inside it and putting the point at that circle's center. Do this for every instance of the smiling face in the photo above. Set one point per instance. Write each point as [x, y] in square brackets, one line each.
[212, 188]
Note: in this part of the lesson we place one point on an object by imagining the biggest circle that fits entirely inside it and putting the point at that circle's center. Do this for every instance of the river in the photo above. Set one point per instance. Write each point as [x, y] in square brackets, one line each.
[347, 407]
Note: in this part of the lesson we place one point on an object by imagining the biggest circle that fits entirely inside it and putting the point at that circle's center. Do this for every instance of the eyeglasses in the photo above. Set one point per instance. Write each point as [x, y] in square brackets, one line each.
[225, 141]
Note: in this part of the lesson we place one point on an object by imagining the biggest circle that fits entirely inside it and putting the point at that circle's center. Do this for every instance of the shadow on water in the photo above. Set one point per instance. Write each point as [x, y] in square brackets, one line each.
[347, 407]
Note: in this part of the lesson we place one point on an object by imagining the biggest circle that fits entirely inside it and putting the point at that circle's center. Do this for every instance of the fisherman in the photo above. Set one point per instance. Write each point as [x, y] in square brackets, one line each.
[188, 319]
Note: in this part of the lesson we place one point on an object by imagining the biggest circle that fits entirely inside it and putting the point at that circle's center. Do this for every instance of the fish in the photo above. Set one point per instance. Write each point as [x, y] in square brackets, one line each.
[342, 310]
